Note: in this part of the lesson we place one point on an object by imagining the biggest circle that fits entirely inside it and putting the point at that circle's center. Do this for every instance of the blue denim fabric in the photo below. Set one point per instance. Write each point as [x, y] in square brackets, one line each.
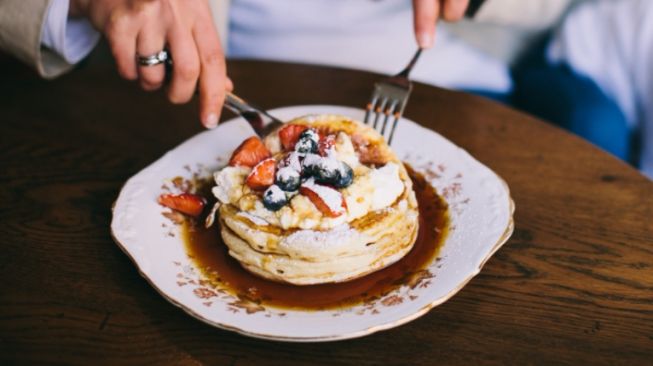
[555, 93]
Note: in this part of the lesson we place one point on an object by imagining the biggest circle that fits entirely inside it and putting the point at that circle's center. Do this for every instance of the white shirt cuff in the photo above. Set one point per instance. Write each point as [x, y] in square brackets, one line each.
[71, 38]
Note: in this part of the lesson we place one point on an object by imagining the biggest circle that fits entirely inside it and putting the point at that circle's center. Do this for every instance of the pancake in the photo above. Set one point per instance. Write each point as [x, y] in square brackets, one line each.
[322, 233]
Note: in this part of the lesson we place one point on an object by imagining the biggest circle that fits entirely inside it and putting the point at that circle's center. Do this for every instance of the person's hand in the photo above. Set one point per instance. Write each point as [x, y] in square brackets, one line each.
[145, 27]
[427, 12]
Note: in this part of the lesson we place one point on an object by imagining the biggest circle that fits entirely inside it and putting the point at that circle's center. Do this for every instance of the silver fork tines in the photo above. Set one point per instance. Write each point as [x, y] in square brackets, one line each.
[388, 101]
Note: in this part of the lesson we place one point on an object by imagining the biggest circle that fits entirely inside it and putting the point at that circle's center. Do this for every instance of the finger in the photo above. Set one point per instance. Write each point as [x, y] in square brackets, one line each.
[229, 85]
[425, 14]
[151, 40]
[122, 41]
[454, 10]
[213, 72]
[186, 66]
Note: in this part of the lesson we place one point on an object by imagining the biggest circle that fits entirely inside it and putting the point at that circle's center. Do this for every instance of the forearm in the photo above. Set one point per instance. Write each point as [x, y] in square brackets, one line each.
[39, 33]
[20, 30]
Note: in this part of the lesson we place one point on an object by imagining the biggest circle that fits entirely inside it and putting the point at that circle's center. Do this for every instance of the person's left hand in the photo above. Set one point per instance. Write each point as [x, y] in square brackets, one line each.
[427, 12]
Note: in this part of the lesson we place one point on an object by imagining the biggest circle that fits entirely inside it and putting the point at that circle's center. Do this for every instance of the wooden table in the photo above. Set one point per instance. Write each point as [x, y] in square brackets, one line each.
[574, 284]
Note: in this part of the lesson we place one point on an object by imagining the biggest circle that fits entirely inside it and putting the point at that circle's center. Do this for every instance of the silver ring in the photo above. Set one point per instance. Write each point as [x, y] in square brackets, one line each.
[153, 60]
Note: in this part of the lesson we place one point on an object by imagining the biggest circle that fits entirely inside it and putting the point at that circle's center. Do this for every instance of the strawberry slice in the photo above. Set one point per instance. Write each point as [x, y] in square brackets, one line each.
[328, 200]
[289, 135]
[249, 153]
[326, 143]
[186, 203]
[262, 176]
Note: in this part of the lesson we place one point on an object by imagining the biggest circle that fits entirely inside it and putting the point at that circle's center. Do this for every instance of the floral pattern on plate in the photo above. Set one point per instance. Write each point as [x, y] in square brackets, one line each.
[480, 222]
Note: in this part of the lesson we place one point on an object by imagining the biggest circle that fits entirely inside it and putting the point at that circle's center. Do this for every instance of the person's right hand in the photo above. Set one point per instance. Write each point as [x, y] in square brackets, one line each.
[427, 12]
[145, 27]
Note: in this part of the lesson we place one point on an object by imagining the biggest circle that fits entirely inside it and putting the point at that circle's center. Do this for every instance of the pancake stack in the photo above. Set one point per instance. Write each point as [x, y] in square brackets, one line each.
[347, 210]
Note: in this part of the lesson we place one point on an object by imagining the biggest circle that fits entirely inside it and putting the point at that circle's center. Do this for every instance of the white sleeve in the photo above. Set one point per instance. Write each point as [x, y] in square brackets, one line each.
[71, 38]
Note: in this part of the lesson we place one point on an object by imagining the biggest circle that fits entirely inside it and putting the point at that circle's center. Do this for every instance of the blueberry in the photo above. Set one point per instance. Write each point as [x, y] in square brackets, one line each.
[345, 176]
[310, 134]
[274, 198]
[307, 142]
[288, 179]
[324, 170]
[325, 176]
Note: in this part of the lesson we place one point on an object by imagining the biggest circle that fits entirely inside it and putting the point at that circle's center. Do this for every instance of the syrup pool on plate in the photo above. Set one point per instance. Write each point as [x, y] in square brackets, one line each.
[210, 255]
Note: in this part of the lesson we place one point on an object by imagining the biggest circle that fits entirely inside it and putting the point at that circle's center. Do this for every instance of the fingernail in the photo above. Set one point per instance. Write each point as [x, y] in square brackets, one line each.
[425, 39]
[211, 120]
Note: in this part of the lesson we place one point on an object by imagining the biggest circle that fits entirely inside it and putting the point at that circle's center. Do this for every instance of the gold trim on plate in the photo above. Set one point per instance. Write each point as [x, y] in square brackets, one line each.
[425, 309]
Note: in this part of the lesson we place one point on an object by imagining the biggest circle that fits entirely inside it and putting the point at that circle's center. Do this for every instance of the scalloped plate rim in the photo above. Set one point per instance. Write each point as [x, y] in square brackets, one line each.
[368, 331]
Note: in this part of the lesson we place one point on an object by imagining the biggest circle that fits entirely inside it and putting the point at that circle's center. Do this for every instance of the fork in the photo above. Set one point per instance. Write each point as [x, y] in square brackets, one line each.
[261, 121]
[389, 99]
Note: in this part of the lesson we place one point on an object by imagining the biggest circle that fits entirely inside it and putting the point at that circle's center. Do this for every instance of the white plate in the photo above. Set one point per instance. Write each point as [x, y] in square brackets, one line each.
[481, 221]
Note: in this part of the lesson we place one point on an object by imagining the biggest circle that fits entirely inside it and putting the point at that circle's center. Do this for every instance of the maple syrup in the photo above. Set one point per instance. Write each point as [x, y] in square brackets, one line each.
[210, 255]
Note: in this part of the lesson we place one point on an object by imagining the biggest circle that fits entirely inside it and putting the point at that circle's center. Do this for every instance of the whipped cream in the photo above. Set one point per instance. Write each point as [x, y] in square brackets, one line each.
[387, 185]
[372, 189]
[229, 183]
[344, 150]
